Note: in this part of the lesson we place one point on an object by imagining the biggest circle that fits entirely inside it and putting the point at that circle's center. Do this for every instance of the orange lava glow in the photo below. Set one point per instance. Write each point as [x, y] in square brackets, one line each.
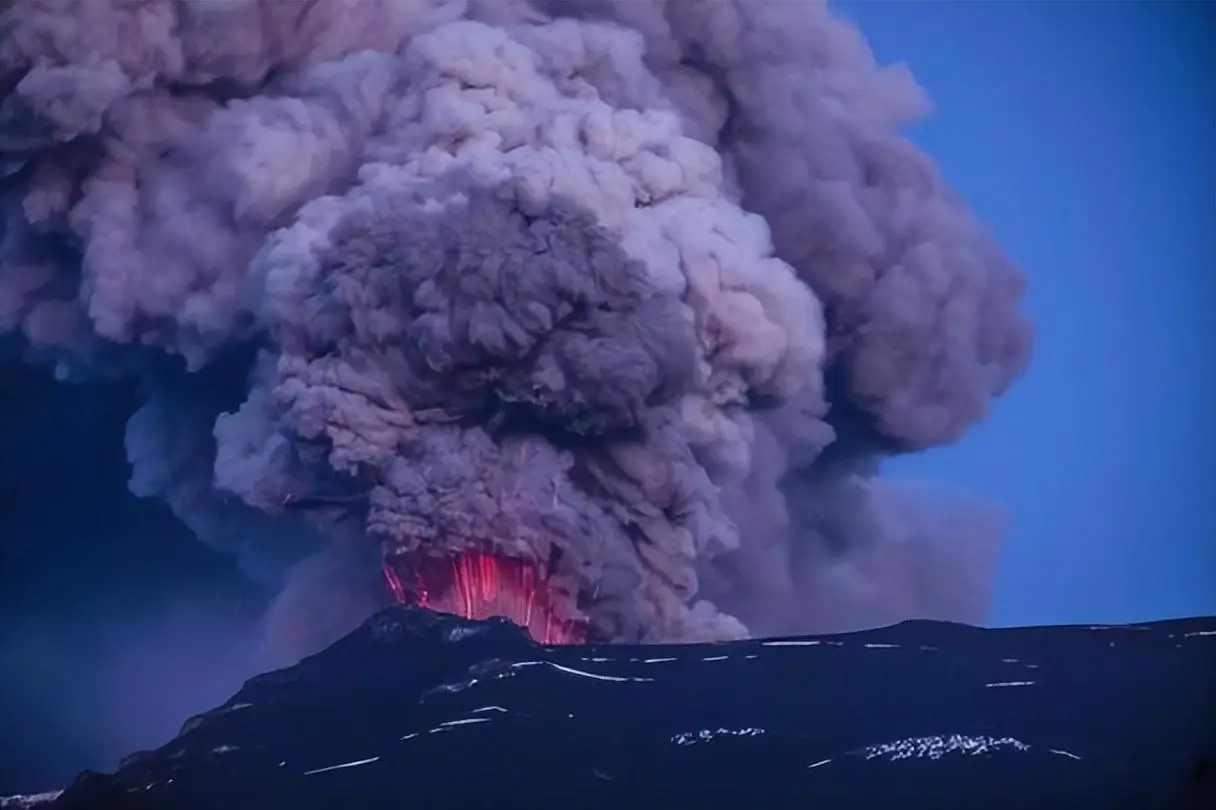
[478, 585]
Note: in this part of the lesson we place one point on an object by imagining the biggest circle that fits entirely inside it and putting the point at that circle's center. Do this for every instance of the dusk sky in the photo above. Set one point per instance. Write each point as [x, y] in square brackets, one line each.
[1083, 133]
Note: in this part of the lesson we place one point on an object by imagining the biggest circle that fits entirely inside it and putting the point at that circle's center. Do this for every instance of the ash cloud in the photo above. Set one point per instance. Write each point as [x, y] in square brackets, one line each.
[644, 291]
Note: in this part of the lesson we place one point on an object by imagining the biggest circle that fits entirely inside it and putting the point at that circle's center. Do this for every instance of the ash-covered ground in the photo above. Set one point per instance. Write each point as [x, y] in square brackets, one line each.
[919, 715]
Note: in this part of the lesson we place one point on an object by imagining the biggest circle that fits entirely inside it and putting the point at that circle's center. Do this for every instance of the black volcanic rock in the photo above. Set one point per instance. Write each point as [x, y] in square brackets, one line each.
[424, 710]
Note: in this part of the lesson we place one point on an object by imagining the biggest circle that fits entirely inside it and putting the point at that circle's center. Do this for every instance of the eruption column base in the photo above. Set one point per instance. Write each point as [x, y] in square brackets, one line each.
[479, 585]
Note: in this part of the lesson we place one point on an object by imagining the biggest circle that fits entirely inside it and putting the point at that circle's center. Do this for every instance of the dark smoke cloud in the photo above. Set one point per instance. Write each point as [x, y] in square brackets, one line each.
[647, 289]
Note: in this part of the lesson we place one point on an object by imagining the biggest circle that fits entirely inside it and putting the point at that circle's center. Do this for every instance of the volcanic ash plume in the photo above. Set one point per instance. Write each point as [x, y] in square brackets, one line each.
[608, 311]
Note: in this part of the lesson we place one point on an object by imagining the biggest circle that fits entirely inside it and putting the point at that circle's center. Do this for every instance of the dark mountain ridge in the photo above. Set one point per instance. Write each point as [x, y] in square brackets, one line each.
[422, 709]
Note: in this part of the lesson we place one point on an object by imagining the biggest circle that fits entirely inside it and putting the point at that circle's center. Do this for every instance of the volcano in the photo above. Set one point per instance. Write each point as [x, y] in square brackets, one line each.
[428, 709]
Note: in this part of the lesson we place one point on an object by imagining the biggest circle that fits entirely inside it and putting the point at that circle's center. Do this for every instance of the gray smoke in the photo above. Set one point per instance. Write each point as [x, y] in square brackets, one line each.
[641, 290]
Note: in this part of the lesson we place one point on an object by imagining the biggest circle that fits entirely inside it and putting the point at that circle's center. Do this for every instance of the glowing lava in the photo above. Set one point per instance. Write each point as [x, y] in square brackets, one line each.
[478, 585]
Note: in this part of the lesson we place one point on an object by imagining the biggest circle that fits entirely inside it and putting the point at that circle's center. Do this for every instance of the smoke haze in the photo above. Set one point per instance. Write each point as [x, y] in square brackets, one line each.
[644, 291]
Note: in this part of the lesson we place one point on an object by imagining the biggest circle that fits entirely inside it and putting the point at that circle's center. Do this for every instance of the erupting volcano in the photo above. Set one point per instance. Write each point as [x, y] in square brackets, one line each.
[642, 290]
[481, 584]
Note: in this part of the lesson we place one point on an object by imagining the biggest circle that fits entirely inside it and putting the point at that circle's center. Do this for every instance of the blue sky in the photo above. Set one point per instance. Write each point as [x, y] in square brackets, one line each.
[1084, 133]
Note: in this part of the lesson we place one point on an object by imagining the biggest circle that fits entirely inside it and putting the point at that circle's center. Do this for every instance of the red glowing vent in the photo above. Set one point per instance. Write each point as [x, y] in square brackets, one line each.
[479, 585]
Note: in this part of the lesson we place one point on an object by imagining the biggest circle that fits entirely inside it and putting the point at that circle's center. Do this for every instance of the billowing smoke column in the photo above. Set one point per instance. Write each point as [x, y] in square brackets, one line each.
[632, 294]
